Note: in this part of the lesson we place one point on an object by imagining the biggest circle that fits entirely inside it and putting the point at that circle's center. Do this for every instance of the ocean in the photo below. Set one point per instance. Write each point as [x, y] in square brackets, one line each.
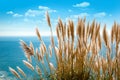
[12, 54]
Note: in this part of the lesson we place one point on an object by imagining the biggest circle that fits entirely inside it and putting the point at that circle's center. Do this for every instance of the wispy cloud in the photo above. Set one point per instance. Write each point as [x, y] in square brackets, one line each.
[33, 13]
[69, 10]
[43, 7]
[83, 4]
[14, 14]
[75, 17]
[37, 12]
[17, 15]
[80, 15]
[100, 14]
[9, 12]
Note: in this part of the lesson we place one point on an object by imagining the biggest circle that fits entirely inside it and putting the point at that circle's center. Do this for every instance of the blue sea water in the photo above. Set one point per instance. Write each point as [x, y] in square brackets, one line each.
[12, 54]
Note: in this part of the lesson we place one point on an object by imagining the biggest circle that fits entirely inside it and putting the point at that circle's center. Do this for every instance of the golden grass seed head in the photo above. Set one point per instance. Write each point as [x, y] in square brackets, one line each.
[71, 25]
[43, 49]
[27, 50]
[117, 34]
[52, 41]
[48, 19]
[28, 65]
[57, 52]
[105, 37]
[21, 71]
[32, 48]
[64, 35]
[52, 66]
[78, 29]
[97, 31]
[60, 24]
[99, 41]
[39, 57]
[57, 31]
[50, 50]
[112, 34]
[38, 34]
[38, 70]
[14, 73]
[68, 32]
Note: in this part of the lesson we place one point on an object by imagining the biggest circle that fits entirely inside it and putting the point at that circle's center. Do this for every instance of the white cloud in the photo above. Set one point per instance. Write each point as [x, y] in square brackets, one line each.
[10, 12]
[40, 11]
[17, 15]
[101, 14]
[80, 15]
[52, 10]
[83, 4]
[43, 7]
[75, 17]
[33, 13]
[14, 14]
[69, 10]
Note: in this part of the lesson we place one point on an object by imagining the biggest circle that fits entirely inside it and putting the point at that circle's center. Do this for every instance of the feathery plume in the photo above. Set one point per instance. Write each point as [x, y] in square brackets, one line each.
[78, 29]
[71, 25]
[38, 70]
[99, 41]
[38, 34]
[112, 34]
[57, 52]
[52, 66]
[48, 19]
[28, 65]
[27, 50]
[57, 31]
[97, 31]
[39, 57]
[92, 29]
[43, 48]
[105, 37]
[14, 72]
[21, 71]
[32, 48]
[50, 50]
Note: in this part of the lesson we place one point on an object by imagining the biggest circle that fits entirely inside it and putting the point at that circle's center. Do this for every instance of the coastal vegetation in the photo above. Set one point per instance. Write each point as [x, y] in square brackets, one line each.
[82, 52]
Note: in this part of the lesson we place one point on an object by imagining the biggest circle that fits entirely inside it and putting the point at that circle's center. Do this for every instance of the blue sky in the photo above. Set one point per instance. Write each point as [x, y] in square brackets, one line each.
[21, 17]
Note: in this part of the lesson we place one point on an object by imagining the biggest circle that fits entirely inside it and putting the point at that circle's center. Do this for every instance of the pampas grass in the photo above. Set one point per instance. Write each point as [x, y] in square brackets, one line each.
[77, 57]
[28, 65]
[21, 71]
[14, 73]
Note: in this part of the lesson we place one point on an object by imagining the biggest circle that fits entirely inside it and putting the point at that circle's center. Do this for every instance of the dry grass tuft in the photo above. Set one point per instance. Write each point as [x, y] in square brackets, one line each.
[38, 34]
[48, 19]
[77, 57]
[14, 73]
[21, 71]
[28, 65]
